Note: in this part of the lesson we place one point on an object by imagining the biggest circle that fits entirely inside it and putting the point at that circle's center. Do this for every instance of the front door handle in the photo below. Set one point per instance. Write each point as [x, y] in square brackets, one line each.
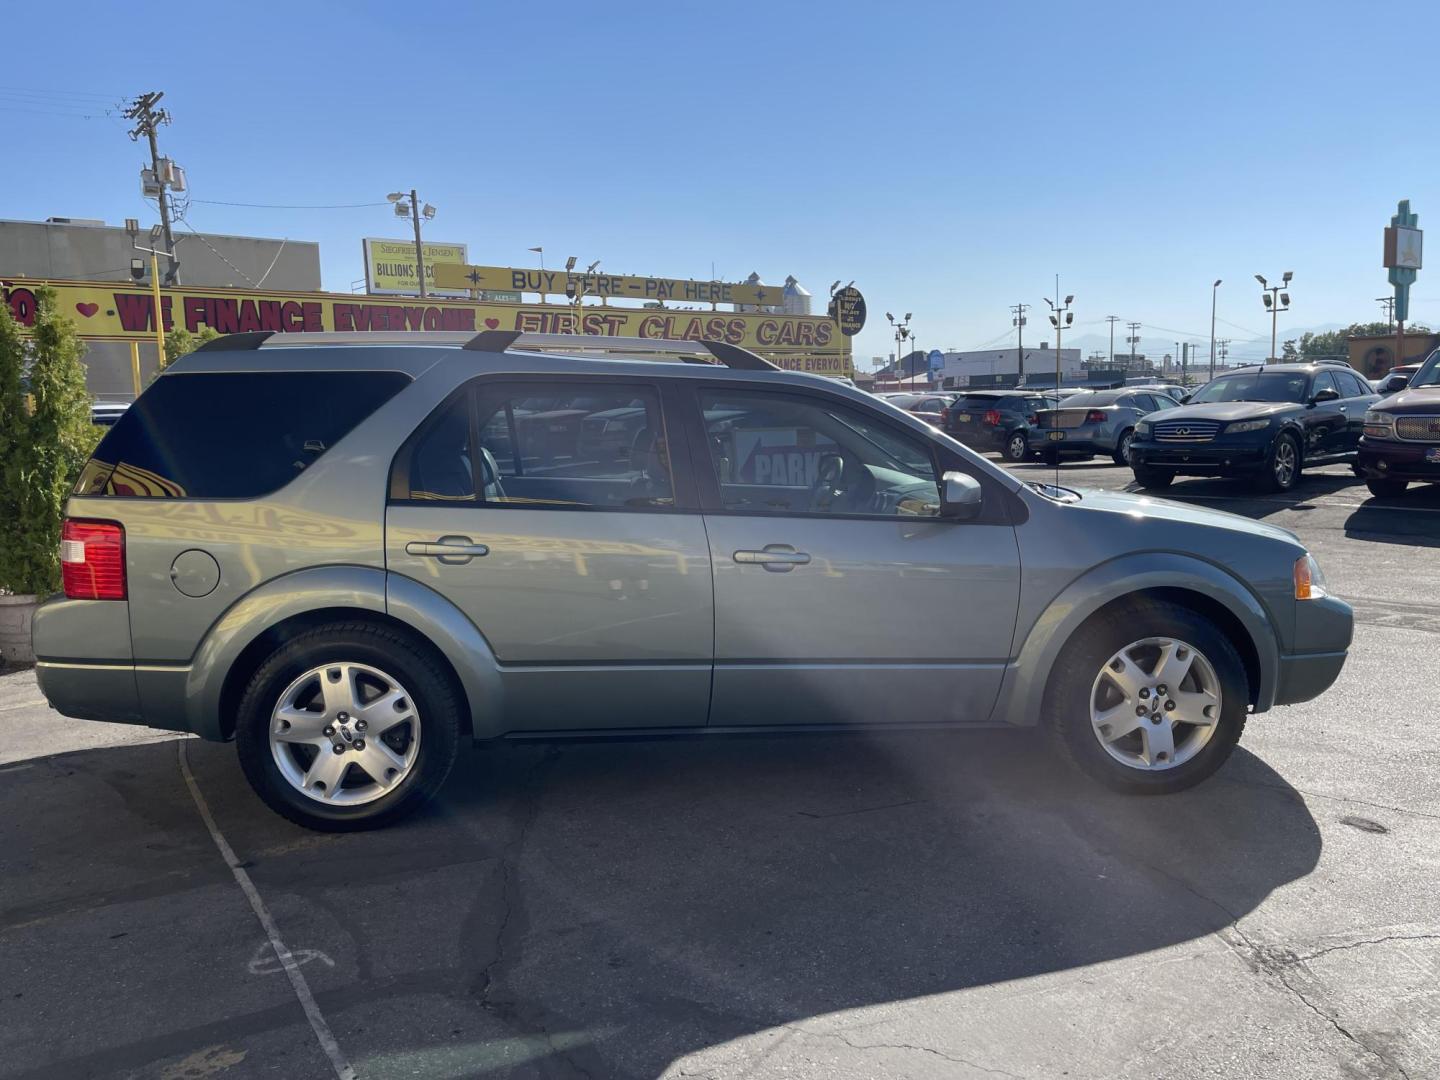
[777, 558]
[454, 550]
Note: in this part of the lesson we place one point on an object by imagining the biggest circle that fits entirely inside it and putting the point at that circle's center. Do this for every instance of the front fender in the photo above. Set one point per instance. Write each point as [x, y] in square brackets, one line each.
[1022, 691]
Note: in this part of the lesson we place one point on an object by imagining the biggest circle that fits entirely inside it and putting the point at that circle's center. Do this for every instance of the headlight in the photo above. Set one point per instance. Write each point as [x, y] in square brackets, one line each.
[1309, 581]
[1142, 429]
[1379, 425]
[1246, 425]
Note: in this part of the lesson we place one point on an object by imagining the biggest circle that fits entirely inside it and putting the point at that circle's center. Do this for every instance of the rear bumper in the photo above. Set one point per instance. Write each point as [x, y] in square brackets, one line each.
[90, 691]
[1198, 458]
[1076, 441]
[980, 438]
[1397, 460]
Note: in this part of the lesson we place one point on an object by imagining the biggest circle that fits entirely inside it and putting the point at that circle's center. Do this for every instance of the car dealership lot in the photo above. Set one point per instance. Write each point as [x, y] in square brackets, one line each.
[899, 905]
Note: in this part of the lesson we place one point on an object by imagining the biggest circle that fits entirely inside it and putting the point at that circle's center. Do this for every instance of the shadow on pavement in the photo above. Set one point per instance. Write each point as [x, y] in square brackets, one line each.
[1385, 521]
[601, 908]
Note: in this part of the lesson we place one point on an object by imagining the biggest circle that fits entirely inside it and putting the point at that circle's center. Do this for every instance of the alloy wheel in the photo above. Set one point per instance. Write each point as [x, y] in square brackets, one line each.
[1017, 448]
[345, 734]
[1284, 463]
[1155, 704]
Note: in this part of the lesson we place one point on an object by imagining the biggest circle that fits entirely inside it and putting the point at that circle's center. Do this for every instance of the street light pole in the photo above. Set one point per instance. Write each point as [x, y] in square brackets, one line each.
[1060, 317]
[1214, 292]
[419, 248]
[1275, 297]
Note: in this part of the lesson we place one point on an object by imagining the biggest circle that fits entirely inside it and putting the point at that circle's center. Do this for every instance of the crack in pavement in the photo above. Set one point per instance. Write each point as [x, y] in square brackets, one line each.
[840, 1035]
[1293, 791]
[1276, 961]
[1369, 941]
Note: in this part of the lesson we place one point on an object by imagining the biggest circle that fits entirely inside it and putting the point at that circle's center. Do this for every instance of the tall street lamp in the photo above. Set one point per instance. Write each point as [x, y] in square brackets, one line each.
[1275, 299]
[1214, 292]
[902, 332]
[414, 211]
[1061, 317]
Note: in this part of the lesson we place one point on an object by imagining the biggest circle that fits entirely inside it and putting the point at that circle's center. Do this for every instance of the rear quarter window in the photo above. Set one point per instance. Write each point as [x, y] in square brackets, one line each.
[231, 435]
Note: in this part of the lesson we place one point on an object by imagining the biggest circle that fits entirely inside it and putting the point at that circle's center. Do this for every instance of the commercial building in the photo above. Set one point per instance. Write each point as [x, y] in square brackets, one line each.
[1001, 367]
[1374, 354]
[87, 249]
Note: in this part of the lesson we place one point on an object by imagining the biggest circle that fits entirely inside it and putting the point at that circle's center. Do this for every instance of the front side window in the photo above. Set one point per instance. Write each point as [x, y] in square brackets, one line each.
[230, 435]
[555, 445]
[782, 453]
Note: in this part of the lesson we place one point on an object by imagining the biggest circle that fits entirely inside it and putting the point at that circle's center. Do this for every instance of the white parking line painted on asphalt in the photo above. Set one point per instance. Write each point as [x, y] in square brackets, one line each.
[22, 705]
[323, 1034]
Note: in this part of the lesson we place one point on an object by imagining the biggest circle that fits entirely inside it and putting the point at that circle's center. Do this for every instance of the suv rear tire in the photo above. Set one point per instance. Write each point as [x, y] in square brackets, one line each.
[348, 726]
[1017, 447]
[1086, 702]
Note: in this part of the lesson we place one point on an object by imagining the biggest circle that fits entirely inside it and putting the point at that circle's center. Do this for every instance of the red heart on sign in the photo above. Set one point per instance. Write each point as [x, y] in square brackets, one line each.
[87, 309]
[492, 324]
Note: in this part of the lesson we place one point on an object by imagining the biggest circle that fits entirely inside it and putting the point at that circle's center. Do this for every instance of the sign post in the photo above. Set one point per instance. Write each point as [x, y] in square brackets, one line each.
[1403, 251]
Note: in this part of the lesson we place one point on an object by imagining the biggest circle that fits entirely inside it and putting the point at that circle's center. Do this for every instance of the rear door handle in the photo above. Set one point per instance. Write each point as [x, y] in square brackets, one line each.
[777, 558]
[448, 549]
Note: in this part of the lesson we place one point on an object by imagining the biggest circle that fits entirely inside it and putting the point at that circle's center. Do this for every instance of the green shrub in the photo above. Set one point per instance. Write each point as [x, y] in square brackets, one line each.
[41, 451]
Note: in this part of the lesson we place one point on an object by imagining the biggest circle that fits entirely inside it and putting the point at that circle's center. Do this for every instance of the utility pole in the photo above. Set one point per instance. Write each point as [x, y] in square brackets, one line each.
[1388, 303]
[1134, 340]
[1224, 346]
[1019, 323]
[1112, 320]
[1214, 292]
[147, 118]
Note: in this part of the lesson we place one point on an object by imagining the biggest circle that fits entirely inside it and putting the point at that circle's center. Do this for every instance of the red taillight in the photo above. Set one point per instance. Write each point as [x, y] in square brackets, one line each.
[945, 415]
[992, 417]
[92, 560]
[1095, 416]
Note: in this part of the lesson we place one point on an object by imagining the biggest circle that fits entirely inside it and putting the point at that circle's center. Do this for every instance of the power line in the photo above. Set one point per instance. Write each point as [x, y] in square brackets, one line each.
[286, 206]
[60, 93]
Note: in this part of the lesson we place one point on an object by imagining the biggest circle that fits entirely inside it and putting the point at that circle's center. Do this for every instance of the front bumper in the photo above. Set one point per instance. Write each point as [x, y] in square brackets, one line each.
[1198, 458]
[1384, 458]
[1323, 631]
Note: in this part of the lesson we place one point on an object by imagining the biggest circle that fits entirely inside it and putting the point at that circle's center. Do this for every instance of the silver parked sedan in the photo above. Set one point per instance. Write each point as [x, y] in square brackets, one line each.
[349, 557]
[1096, 422]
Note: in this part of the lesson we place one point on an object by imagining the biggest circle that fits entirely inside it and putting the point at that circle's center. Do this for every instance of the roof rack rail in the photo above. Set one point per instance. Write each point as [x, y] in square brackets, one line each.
[691, 352]
[1332, 360]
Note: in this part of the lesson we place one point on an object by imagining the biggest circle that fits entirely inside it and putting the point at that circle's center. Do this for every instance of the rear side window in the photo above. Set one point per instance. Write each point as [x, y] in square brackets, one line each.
[231, 435]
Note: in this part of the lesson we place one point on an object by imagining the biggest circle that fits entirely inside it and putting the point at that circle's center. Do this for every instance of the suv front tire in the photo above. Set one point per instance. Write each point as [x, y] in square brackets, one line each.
[1149, 699]
[348, 726]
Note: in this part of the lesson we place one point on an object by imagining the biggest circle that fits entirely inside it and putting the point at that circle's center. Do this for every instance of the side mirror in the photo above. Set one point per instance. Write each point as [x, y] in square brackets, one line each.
[1325, 395]
[961, 496]
[1184, 398]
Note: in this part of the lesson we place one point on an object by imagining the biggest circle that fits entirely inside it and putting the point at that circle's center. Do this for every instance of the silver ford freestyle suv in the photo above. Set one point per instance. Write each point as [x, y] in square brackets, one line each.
[347, 555]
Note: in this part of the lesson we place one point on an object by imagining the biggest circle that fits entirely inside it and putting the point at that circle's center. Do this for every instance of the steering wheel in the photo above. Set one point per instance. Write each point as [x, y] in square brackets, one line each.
[840, 484]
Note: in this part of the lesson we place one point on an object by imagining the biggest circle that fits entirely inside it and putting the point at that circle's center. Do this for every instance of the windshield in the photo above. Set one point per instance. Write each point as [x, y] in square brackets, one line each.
[1255, 386]
[1429, 373]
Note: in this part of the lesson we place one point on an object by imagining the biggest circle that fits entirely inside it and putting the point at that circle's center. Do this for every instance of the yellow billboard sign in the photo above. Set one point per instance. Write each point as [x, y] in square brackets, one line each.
[390, 267]
[606, 286]
[117, 311]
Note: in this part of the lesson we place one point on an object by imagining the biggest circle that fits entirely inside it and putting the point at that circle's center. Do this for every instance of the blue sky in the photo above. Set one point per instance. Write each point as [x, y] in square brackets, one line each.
[950, 158]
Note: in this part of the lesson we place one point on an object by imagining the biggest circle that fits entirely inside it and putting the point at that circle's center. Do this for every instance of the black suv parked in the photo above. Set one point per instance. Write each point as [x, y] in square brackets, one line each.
[1002, 420]
[1268, 422]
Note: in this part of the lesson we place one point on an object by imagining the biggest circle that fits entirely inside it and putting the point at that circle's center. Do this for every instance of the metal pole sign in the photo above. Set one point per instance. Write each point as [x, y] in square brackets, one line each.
[1403, 250]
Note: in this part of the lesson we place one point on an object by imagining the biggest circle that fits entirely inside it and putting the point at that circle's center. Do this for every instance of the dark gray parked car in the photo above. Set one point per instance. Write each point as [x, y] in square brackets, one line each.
[348, 555]
[1096, 422]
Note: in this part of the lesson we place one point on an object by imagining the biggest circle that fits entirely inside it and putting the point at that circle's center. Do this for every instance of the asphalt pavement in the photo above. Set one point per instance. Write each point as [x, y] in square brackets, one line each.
[955, 905]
